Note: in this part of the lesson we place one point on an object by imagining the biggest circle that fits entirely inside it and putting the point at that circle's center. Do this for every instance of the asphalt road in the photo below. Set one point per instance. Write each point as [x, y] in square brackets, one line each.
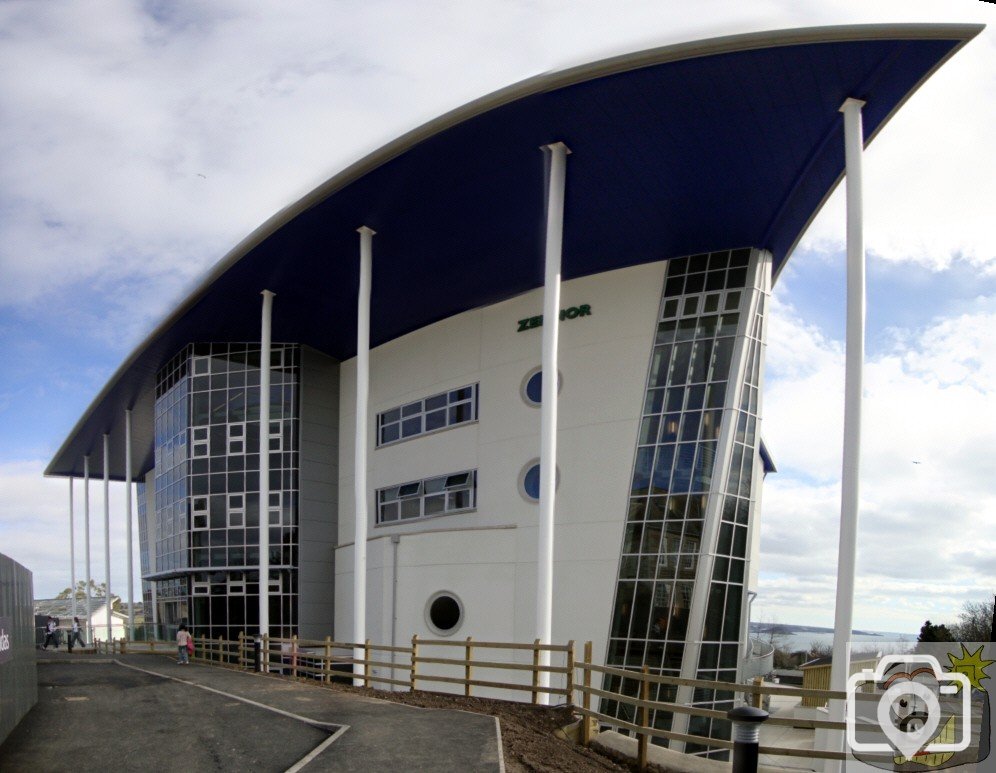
[146, 713]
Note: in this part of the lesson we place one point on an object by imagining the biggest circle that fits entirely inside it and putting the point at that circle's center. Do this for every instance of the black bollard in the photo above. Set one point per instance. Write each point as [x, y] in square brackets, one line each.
[257, 654]
[746, 734]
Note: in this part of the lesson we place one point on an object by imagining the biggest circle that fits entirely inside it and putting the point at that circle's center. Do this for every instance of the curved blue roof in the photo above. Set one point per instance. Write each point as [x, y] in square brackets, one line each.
[729, 142]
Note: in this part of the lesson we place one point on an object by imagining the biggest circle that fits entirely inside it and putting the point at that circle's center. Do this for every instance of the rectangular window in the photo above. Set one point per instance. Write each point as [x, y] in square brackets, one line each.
[276, 510]
[236, 510]
[200, 441]
[446, 409]
[199, 512]
[236, 439]
[453, 493]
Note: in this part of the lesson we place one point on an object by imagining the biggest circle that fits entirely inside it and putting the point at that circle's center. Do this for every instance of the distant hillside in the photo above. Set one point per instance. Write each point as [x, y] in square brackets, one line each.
[789, 629]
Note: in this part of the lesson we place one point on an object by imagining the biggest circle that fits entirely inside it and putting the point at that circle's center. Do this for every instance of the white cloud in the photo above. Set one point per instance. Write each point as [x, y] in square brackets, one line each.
[34, 529]
[927, 522]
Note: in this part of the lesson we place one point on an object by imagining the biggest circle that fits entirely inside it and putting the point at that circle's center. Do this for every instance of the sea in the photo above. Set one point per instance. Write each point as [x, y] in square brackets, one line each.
[795, 638]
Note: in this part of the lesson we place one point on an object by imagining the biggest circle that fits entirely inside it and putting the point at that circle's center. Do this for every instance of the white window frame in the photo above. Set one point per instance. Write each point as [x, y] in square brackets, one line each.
[276, 509]
[418, 410]
[199, 513]
[200, 588]
[277, 435]
[391, 498]
[200, 442]
[236, 437]
[236, 512]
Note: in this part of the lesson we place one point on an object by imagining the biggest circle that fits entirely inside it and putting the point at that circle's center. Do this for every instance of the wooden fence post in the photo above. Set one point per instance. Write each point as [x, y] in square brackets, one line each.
[124, 645]
[586, 695]
[327, 661]
[536, 659]
[570, 673]
[294, 656]
[757, 698]
[644, 715]
[414, 660]
[221, 658]
[240, 641]
[366, 663]
[468, 672]
[266, 653]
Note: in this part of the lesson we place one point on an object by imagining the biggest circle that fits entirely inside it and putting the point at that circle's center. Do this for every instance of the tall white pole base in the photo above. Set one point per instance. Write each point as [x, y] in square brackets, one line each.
[853, 376]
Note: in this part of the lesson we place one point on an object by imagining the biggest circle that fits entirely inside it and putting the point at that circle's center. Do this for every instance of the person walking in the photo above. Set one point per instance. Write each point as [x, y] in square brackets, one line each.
[74, 635]
[182, 642]
[50, 630]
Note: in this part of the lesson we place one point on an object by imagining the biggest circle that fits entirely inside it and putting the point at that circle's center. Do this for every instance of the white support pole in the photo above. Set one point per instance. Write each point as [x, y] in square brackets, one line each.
[360, 478]
[72, 551]
[131, 568]
[86, 529]
[107, 530]
[264, 464]
[557, 153]
[853, 367]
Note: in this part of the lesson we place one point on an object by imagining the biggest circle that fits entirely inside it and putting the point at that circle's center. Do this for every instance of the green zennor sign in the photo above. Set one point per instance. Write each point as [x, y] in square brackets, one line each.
[584, 310]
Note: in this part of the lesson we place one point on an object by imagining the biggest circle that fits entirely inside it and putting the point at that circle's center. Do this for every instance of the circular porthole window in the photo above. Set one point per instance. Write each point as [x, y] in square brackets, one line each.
[532, 386]
[529, 481]
[444, 613]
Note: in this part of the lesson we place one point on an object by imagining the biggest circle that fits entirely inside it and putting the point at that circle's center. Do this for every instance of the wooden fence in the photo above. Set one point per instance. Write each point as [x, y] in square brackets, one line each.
[326, 661]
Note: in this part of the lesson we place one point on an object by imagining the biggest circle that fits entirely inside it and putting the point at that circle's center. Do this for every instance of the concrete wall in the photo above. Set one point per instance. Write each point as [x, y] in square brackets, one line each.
[318, 503]
[487, 557]
[18, 666]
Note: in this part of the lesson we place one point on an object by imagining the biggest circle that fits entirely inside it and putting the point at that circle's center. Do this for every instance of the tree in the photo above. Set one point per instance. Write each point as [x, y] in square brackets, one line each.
[930, 632]
[975, 621]
[96, 592]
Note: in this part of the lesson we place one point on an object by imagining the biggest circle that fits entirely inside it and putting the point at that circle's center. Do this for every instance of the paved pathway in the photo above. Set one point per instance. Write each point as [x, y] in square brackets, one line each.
[142, 712]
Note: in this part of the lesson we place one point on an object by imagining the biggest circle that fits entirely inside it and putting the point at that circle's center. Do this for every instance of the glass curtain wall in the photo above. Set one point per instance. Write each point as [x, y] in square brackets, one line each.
[207, 489]
[680, 470]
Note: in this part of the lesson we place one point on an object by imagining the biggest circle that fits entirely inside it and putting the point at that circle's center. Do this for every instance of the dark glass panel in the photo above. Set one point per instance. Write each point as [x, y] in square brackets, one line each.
[695, 283]
[698, 262]
[662, 469]
[642, 603]
[690, 426]
[674, 286]
[669, 428]
[696, 396]
[659, 365]
[648, 430]
[715, 280]
[641, 474]
[731, 621]
[637, 509]
[686, 329]
[624, 608]
[654, 402]
[634, 534]
[657, 508]
[714, 612]
[665, 330]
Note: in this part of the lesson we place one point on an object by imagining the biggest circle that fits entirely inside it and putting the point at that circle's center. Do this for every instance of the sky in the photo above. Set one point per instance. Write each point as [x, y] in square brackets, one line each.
[140, 141]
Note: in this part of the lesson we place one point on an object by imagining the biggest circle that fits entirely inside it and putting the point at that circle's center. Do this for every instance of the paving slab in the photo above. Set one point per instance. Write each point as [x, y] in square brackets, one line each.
[142, 712]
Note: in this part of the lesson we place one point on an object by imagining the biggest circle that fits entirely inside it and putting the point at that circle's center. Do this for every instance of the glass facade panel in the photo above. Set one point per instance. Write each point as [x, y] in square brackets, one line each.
[207, 402]
[678, 477]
